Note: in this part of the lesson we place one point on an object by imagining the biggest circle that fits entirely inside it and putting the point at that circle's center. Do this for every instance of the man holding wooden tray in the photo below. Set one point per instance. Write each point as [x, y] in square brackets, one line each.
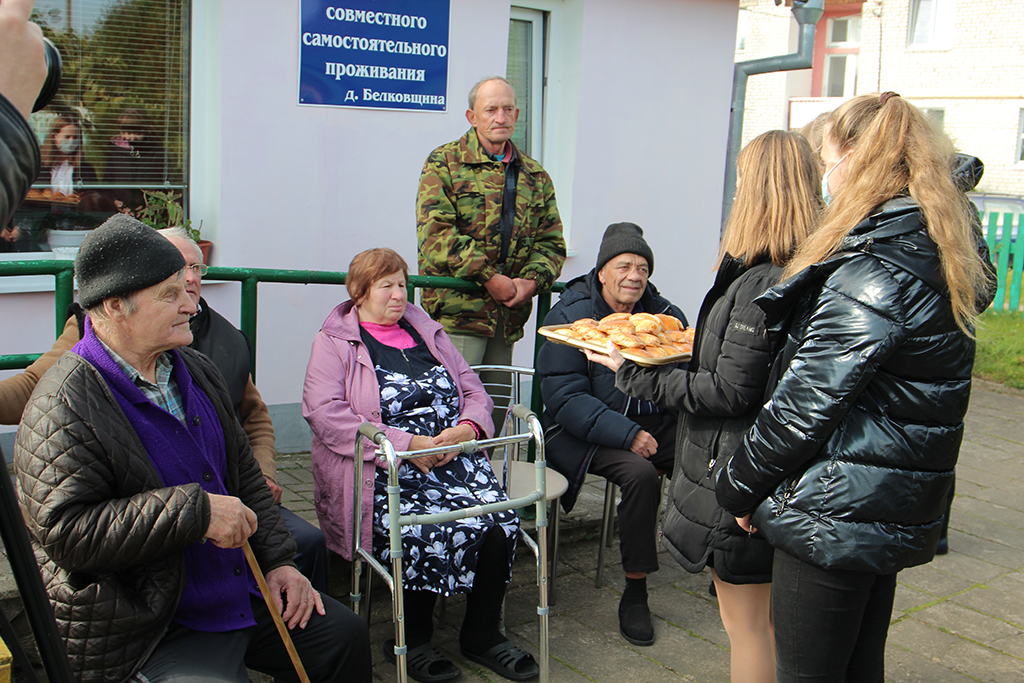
[593, 427]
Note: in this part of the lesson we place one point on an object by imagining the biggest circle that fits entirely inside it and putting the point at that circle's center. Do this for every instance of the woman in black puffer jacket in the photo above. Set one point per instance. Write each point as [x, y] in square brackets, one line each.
[848, 466]
[717, 398]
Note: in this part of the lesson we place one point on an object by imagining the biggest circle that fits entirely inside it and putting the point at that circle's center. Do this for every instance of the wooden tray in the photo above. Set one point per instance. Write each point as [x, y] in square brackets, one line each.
[556, 334]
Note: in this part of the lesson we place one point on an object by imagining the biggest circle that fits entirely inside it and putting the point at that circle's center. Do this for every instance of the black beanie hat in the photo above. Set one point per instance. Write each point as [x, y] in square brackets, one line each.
[624, 238]
[122, 256]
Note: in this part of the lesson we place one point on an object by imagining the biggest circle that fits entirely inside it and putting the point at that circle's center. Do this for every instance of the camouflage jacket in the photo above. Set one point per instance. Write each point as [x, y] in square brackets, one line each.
[458, 226]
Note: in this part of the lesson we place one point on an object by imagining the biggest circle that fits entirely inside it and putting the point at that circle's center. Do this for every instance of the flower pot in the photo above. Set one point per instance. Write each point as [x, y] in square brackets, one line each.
[65, 243]
[205, 246]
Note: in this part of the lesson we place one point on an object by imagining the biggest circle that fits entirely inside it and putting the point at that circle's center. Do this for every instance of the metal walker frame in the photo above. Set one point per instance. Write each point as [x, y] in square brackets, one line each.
[537, 497]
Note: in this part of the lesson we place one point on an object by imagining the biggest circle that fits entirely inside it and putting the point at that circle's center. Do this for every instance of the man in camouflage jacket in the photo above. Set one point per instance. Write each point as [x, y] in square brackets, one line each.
[462, 232]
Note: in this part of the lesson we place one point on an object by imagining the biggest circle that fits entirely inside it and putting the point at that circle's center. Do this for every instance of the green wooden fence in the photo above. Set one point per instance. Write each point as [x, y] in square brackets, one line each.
[1008, 255]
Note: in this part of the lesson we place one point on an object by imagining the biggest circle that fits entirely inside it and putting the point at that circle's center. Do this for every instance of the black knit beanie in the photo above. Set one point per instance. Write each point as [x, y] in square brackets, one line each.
[122, 256]
[624, 238]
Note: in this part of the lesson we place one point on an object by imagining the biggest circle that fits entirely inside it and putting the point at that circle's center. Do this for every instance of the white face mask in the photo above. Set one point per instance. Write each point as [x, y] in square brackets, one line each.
[826, 196]
[69, 146]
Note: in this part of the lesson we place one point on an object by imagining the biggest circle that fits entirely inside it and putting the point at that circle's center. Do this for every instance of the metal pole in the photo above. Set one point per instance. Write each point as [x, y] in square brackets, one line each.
[807, 13]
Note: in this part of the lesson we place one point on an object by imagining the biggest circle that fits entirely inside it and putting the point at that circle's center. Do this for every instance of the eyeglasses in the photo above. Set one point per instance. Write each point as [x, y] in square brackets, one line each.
[199, 269]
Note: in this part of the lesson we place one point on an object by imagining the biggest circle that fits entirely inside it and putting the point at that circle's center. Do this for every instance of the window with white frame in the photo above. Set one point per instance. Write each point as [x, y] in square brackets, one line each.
[930, 23]
[842, 48]
[118, 126]
[525, 71]
[742, 26]
[1020, 137]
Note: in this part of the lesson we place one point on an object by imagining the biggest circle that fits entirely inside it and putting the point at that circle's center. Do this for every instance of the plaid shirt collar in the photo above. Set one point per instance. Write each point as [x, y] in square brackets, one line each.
[165, 393]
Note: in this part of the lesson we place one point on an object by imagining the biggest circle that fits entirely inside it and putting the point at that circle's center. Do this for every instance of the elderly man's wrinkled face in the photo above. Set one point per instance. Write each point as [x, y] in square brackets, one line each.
[193, 266]
[494, 115]
[160, 320]
[623, 281]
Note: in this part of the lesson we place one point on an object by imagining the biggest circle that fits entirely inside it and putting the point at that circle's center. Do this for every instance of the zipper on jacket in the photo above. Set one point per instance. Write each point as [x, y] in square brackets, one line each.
[787, 493]
[711, 467]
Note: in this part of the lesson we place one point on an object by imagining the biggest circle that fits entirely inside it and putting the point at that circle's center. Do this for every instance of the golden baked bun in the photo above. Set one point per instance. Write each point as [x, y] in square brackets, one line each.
[625, 340]
[669, 322]
[648, 339]
[613, 317]
[645, 322]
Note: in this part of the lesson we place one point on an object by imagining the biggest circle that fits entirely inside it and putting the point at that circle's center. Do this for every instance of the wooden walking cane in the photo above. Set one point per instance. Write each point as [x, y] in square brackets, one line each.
[269, 599]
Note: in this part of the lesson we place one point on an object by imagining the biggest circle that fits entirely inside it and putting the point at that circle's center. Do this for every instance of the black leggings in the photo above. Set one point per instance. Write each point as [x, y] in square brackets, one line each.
[483, 604]
[830, 624]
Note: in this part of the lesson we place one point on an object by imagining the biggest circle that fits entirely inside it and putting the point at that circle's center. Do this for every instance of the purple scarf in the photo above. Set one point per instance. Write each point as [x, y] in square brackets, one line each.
[217, 584]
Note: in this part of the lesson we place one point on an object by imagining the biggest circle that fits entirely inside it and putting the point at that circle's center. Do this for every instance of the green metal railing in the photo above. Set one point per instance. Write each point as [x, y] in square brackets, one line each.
[249, 279]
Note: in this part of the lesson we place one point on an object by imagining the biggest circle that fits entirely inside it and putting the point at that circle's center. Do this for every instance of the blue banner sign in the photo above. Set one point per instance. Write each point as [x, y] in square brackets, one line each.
[382, 54]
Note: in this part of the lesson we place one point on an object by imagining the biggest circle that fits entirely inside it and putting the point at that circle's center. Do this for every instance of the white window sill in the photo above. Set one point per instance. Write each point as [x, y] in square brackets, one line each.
[12, 284]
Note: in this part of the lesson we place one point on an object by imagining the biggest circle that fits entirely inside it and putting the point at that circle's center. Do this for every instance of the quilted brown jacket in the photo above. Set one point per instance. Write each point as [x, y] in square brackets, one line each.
[108, 536]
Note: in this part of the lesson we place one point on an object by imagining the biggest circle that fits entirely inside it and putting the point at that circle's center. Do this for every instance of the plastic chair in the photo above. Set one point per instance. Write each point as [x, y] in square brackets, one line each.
[516, 480]
[537, 496]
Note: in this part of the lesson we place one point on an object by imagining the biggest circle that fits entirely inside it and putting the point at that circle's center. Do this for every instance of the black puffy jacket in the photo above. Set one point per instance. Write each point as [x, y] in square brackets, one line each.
[582, 407]
[19, 159]
[717, 399]
[849, 464]
[108, 535]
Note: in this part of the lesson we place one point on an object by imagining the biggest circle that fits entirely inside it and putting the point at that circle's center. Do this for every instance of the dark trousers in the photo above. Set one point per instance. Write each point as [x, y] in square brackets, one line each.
[311, 556]
[333, 648]
[830, 624]
[639, 482]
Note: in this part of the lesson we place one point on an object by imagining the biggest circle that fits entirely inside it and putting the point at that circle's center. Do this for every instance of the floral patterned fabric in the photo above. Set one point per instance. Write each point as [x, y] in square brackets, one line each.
[419, 396]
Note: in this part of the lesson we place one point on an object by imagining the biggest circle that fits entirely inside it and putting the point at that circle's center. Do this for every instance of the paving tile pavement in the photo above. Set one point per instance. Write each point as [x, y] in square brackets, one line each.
[958, 619]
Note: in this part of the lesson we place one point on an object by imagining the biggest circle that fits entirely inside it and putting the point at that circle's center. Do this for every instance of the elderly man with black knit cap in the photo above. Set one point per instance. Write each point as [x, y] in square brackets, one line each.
[593, 427]
[139, 489]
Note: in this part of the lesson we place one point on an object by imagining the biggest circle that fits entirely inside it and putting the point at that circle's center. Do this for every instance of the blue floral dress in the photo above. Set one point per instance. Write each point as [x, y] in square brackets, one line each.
[418, 396]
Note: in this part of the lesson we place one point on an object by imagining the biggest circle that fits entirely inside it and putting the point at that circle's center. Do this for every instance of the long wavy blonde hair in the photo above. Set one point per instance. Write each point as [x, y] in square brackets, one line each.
[778, 198]
[894, 149]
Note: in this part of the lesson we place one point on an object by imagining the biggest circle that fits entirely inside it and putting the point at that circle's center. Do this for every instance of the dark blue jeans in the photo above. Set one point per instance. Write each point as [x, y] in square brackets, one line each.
[830, 624]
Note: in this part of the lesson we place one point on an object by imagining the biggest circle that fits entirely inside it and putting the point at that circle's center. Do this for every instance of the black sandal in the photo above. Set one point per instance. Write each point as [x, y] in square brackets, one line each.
[425, 663]
[508, 660]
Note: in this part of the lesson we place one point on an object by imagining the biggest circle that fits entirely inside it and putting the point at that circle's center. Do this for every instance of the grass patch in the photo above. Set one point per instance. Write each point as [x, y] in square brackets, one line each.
[1000, 356]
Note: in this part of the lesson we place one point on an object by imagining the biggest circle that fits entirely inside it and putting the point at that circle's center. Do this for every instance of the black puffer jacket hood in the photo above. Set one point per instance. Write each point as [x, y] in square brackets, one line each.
[849, 464]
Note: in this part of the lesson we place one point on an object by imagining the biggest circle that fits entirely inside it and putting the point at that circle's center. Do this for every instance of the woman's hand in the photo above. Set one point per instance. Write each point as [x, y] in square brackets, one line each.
[420, 443]
[611, 360]
[450, 437]
[745, 524]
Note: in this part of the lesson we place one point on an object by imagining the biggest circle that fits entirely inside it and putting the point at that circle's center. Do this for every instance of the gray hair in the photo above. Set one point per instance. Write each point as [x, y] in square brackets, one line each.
[473, 91]
[99, 316]
[181, 233]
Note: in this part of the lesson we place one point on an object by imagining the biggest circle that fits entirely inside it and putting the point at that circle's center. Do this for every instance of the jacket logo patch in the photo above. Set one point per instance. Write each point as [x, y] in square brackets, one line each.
[740, 327]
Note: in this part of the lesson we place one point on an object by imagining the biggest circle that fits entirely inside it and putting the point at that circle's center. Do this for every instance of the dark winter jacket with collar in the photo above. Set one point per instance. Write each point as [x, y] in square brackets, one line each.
[582, 407]
[849, 464]
[108, 535]
[717, 399]
[19, 159]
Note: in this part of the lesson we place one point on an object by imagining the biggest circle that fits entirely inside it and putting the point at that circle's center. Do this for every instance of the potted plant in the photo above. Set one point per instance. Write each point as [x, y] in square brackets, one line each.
[65, 232]
[163, 210]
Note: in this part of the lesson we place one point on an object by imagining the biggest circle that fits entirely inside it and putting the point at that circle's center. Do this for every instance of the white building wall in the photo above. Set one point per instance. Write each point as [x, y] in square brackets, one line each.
[977, 78]
[637, 123]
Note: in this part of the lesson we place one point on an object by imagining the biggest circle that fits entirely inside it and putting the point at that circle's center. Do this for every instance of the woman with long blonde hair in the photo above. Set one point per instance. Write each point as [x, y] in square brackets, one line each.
[718, 396]
[848, 466]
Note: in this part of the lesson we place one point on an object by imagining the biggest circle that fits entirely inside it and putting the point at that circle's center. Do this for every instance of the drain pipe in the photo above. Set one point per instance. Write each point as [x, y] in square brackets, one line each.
[807, 13]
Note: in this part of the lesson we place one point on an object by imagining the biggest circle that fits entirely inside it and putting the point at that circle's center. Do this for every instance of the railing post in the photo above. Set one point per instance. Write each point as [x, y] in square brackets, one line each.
[248, 317]
[63, 295]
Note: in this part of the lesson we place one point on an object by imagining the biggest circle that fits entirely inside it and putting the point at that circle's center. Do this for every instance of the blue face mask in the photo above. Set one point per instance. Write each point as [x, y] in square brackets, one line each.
[826, 196]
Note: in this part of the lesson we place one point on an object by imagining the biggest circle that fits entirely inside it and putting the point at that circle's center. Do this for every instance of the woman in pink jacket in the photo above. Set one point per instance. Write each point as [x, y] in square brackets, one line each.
[379, 359]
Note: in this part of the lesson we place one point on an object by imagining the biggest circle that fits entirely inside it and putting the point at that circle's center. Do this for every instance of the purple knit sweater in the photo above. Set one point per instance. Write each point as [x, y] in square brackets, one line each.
[218, 583]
